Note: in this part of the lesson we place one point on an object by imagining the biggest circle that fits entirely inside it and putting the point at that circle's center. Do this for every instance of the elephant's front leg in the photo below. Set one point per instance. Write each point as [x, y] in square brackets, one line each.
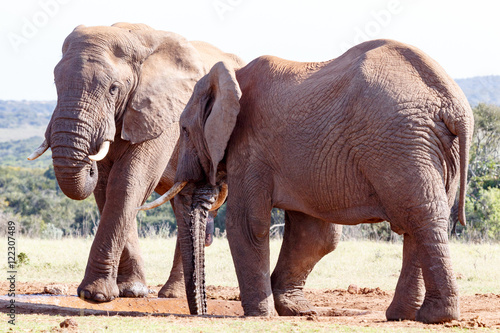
[306, 240]
[131, 278]
[247, 225]
[129, 183]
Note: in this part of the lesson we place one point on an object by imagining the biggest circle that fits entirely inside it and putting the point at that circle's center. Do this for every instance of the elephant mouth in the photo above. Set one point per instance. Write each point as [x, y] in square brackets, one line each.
[178, 187]
[76, 178]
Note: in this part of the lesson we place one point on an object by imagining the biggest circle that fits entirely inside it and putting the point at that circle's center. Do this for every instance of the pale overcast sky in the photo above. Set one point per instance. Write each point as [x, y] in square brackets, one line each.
[463, 36]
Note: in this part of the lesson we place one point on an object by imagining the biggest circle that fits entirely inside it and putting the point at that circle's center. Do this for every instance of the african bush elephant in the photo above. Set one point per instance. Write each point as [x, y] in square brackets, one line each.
[121, 90]
[380, 133]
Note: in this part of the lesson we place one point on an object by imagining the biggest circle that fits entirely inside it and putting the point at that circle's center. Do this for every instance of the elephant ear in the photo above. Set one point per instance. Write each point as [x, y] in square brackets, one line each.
[221, 121]
[166, 80]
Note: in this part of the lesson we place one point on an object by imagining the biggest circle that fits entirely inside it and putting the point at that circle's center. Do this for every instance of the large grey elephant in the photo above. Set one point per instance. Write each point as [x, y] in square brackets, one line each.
[121, 90]
[380, 133]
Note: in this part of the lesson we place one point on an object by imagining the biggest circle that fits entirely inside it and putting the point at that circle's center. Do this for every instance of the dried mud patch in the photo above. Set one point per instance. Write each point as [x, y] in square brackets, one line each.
[352, 306]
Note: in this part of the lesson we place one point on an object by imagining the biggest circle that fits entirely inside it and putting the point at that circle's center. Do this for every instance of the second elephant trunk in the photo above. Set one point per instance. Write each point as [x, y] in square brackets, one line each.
[192, 211]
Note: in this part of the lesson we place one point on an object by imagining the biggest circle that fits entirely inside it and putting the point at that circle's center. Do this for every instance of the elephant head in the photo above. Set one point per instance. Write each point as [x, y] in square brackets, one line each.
[107, 86]
[206, 126]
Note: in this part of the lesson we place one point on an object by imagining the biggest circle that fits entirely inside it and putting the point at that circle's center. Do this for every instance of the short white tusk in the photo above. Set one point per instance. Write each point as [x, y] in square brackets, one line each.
[102, 152]
[164, 198]
[39, 151]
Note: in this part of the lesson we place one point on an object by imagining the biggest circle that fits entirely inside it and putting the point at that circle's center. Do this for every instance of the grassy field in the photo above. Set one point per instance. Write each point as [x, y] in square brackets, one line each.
[364, 263]
[367, 264]
[43, 323]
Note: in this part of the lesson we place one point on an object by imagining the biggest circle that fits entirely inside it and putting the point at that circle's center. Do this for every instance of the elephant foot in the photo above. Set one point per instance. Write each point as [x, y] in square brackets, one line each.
[133, 289]
[398, 311]
[292, 303]
[99, 290]
[435, 311]
[132, 283]
[173, 289]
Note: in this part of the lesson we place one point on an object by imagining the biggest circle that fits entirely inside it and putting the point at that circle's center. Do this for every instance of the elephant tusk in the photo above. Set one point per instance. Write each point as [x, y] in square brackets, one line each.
[164, 198]
[221, 198]
[39, 151]
[102, 152]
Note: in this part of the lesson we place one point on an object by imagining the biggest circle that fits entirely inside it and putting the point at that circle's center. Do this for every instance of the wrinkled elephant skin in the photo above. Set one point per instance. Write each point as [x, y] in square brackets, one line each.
[114, 132]
[380, 133]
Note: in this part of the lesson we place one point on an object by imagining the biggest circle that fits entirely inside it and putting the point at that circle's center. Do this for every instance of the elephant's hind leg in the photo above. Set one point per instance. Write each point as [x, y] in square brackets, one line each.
[306, 240]
[131, 278]
[427, 226]
[409, 293]
[441, 297]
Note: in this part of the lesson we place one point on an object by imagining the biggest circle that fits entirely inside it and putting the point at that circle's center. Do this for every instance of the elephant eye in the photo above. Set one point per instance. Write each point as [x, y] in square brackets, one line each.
[113, 90]
[185, 131]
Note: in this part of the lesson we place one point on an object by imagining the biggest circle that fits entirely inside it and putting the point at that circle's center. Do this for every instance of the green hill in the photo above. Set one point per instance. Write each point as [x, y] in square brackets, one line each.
[17, 114]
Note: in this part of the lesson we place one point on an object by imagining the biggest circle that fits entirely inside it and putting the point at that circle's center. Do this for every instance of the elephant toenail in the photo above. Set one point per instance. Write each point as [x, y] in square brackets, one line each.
[100, 298]
[84, 294]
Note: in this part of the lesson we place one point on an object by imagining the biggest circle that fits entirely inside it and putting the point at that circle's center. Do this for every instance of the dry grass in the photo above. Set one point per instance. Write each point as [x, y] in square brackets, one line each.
[365, 263]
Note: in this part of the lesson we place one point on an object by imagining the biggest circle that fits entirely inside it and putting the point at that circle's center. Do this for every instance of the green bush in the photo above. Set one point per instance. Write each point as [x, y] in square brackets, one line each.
[32, 198]
[483, 214]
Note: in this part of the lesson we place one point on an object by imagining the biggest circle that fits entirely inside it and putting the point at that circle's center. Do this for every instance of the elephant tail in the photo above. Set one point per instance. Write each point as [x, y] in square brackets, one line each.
[464, 138]
[461, 124]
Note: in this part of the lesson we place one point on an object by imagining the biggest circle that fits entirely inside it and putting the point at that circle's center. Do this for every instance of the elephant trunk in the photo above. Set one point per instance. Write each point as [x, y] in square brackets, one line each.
[72, 140]
[77, 179]
[192, 213]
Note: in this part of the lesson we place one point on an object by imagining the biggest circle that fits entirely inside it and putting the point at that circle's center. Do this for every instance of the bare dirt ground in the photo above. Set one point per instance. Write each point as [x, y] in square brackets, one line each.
[353, 307]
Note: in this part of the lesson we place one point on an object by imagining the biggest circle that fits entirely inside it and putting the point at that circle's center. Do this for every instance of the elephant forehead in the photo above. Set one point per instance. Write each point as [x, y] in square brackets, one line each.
[84, 37]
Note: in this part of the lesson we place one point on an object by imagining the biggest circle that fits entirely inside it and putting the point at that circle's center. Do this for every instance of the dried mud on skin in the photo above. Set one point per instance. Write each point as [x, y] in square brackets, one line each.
[353, 306]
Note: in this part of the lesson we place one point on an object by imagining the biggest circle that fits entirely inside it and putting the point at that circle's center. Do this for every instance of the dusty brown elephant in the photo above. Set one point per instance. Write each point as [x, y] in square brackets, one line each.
[121, 90]
[380, 133]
